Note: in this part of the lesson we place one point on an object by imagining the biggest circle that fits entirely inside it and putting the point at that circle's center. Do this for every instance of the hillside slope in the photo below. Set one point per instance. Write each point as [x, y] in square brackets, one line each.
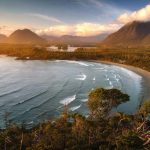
[24, 36]
[132, 34]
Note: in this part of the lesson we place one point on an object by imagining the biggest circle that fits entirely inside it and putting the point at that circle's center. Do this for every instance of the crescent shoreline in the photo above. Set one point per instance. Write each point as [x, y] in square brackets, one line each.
[143, 73]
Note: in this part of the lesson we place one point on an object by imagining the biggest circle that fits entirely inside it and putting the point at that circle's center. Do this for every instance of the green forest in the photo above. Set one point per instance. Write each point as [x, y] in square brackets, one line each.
[130, 56]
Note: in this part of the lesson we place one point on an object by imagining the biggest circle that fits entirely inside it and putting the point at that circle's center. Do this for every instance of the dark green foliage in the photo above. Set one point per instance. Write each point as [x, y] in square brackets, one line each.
[76, 132]
[136, 57]
[101, 101]
[129, 140]
[145, 109]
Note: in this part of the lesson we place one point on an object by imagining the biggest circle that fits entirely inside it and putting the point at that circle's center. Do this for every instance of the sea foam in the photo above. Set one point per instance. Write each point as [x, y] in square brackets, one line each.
[75, 108]
[81, 77]
[68, 100]
[84, 100]
[129, 72]
[77, 62]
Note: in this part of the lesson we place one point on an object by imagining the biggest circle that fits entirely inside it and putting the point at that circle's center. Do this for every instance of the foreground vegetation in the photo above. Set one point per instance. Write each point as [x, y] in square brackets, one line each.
[136, 57]
[102, 130]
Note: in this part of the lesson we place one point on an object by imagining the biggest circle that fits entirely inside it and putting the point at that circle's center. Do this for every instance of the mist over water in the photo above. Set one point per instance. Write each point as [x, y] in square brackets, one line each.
[33, 91]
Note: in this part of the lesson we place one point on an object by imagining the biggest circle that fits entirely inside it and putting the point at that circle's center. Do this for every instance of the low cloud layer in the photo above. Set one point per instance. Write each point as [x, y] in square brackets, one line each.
[139, 15]
[6, 30]
[83, 29]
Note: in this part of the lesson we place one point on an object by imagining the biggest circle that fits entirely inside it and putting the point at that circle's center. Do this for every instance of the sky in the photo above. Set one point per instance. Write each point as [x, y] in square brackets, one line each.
[73, 17]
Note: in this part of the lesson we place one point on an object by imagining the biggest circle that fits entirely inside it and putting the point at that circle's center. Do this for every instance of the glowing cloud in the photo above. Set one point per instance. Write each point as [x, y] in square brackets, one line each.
[83, 29]
[140, 15]
[57, 30]
[6, 30]
[88, 29]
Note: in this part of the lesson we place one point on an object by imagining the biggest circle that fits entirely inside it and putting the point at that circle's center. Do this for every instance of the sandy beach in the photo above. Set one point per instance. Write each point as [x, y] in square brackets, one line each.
[145, 77]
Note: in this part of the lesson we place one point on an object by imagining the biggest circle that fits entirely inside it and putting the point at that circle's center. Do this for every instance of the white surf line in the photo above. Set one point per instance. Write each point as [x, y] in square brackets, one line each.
[57, 61]
[75, 108]
[129, 72]
[73, 62]
[109, 87]
[76, 62]
[68, 100]
[81, 77]
[84, 100]
[81, 63]
[31, 122]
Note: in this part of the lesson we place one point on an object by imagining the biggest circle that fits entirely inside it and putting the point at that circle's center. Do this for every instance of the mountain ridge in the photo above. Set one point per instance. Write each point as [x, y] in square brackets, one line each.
[75, 40]
[133, 34]
[24, 36]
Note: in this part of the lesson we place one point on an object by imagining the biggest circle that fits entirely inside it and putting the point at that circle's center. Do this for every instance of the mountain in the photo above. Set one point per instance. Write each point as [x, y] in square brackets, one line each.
[75, 40]
[2, 38]
[24, 36]
[131, 35]
[83, 39]
[50, 39]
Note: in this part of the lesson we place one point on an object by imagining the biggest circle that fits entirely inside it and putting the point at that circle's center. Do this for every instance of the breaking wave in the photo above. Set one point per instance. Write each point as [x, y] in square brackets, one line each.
[81, 77]
[75, 108]
[68, 100]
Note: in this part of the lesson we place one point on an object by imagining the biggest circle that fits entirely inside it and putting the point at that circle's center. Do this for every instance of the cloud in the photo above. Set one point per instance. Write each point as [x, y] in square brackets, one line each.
[139, 15]
[88, 29]
[6, 30]
[56, 30]
[44, 17]
[82, 29]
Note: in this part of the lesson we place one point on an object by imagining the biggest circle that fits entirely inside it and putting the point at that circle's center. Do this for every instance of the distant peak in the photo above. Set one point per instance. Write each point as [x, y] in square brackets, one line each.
[24, 30]
[132, 34]
[24, 36]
